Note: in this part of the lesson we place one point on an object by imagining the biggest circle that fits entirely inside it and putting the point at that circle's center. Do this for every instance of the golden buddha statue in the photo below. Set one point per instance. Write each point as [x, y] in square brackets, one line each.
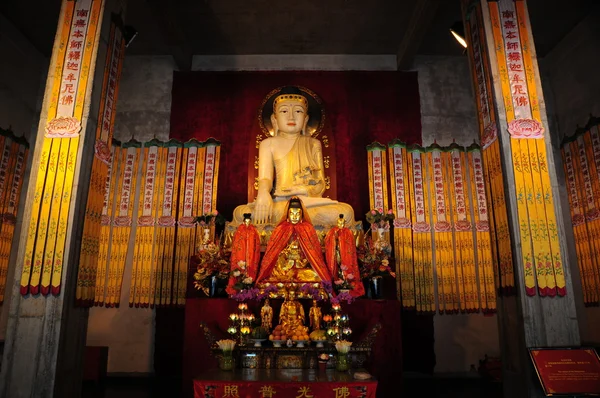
[293, 254]
[291, 315]
[315, 315]
[266, 316]
[294, 161]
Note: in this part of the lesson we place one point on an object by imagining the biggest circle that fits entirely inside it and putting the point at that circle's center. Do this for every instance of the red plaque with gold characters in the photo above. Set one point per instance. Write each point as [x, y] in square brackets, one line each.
[567, 371]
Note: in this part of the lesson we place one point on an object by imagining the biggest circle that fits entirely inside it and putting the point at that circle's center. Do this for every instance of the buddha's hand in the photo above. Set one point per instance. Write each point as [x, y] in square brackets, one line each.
[263, 208]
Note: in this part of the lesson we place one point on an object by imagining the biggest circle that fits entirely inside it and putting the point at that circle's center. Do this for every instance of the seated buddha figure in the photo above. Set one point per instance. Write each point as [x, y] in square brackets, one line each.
[291, 315]
[293, 254]
[293, 160]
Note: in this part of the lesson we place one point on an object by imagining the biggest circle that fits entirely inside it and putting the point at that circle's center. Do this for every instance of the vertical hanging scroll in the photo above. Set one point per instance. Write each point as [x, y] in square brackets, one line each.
[166, 224]
[587, 255]
[114, 165]
[211, 175]
[192, 151]
[541, 254]
[422, 250]
[121, 234]
[159, 241]
[90, 246]
[12, 166]
[73, 60]
[403, 241]
[448, 299]
[377, 177]
[486, 275]
[488, 132]
[144, 233]
[465, 256]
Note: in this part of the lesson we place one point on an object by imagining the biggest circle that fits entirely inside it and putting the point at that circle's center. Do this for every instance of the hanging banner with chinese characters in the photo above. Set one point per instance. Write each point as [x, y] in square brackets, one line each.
[166, 225]
[540, 248]
[13, 157]
[448, 298]
[90, 243]
[186, 218]
[465, 254]
[401, 205]
[139, 290]
[487, 274]
[586, 245]
[122, 220]
[378, 185]
[105, 229]
[444, 249]
[488, 132]
[73, 59]
[422, 248]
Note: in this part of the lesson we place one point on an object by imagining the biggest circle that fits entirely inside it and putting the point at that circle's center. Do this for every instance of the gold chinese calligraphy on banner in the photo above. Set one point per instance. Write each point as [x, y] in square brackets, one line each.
[178, 181]
[442, 242]
[73, 60]
[13, 158]
[581, 160]
[490, 154]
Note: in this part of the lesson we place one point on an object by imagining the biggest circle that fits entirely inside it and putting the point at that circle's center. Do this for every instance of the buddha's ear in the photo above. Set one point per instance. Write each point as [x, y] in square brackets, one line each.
[305, 124]
[274, 123]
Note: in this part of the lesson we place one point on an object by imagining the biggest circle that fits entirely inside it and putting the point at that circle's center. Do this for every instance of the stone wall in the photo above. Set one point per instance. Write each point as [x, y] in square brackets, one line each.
[570, 75]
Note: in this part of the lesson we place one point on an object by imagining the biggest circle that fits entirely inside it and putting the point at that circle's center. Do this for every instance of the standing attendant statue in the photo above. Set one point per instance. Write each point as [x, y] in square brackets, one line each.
[340, 254]
[315, 315]
[266, 316]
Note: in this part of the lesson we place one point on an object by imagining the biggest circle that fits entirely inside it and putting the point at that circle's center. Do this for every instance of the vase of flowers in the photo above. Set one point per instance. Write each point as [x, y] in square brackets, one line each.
[380, 224]
[343, 348]
[226, 360]
[212, 270]
[374, 262]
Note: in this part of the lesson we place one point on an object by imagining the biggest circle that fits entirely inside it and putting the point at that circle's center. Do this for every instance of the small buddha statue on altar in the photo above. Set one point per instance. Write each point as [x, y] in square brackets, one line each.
[315, 315]
[293, 254]
[291, 315]
[266, 316]
[291, 160]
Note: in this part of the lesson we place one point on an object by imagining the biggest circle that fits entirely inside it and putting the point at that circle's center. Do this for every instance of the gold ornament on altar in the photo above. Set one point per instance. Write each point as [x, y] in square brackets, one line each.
[266, 315]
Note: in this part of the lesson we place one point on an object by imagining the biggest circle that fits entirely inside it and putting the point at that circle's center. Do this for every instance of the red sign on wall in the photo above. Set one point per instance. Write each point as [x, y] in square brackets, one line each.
[564, 371]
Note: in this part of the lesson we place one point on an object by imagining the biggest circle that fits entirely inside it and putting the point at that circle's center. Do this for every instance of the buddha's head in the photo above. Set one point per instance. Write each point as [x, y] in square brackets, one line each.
[267, 304]
[291, 295]
[314, 303]
[340, 221]
[290, 112]
[295, 211]
[247, 218]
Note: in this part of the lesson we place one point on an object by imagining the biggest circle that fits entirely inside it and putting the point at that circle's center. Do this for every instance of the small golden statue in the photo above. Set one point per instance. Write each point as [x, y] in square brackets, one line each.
[315, 316]
[266, 315]
[291, 316]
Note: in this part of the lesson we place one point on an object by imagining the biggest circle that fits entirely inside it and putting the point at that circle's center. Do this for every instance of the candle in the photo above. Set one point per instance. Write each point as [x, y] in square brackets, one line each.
[335, 307]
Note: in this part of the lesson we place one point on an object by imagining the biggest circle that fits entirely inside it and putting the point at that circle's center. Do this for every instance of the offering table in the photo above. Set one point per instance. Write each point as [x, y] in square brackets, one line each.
[385, 362]
[281, 383]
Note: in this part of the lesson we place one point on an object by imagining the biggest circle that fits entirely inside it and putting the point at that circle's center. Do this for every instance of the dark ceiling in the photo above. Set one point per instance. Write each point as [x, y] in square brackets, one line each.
[305, 27]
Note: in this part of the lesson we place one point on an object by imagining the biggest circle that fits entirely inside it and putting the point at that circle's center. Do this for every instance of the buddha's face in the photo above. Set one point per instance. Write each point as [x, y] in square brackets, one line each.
[291, 295]
[295, 215]
[340, 222]
[290, 117]
[247, 221]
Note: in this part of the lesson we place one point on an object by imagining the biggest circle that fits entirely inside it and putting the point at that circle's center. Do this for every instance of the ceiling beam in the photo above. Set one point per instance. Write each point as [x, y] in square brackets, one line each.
[418, 25]
[165, 17]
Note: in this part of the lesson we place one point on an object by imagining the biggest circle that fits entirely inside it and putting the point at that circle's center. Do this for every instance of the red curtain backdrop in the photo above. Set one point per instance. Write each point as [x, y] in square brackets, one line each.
[361, 107]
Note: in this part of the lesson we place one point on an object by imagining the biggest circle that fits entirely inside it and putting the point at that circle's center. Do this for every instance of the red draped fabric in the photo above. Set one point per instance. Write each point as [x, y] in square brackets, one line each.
[308, 241]
[343, 238]
[245, 246]
[360, 107]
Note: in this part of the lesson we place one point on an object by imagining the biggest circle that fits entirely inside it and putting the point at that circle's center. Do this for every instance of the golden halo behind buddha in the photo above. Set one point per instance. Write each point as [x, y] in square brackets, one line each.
[314, 103]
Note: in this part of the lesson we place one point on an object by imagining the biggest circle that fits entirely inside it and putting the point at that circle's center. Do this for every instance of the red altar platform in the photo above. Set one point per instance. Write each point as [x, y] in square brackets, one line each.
[385, 362]
[282, 383]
